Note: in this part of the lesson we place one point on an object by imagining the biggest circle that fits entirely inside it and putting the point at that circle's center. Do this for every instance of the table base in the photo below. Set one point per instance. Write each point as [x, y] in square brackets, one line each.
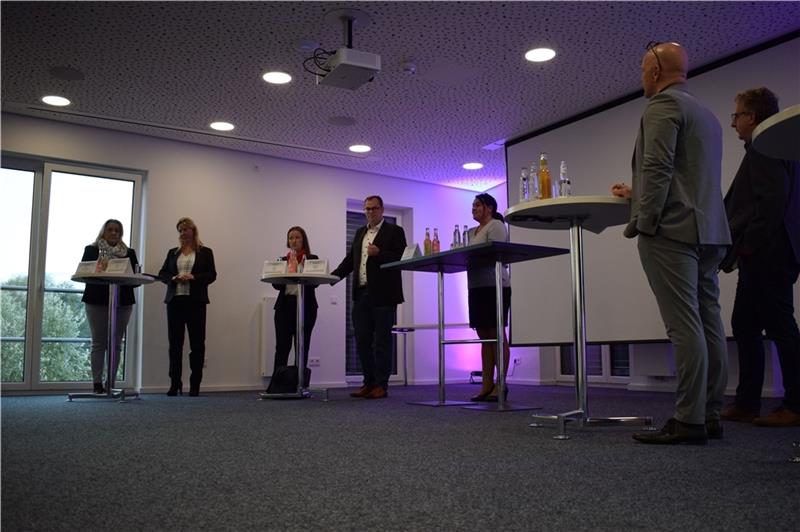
[495, 407]
[302, 394]
[116, 393]
[440, 403]
[580, 417]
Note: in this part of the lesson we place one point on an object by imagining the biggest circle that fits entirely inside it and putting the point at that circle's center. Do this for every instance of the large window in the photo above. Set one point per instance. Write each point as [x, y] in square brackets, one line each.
[48, 214]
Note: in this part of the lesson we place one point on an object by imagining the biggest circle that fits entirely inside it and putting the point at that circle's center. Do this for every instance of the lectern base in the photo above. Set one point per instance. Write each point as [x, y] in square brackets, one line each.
[495, 407]
[116, 393]
[441, 403]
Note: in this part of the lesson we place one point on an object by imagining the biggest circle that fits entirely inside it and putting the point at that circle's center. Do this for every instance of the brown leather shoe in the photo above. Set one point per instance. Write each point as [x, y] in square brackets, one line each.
[362, 392]
[783, 417]
[378, 393]
[734, 413]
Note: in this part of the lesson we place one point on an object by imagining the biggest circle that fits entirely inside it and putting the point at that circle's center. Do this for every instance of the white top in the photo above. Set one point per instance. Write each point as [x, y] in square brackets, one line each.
[494, 231]
[185, 265]
[369, 237]
[595, 212]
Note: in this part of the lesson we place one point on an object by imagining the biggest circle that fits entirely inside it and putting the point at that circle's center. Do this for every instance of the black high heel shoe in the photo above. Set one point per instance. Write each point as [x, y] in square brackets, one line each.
[98, 388]
[481, 397]
[194, 391]
[175, 389]
[493, 398]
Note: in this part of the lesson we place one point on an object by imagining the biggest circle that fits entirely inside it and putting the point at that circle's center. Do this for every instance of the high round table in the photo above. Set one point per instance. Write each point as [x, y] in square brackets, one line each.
[576, 213]
[113, 281]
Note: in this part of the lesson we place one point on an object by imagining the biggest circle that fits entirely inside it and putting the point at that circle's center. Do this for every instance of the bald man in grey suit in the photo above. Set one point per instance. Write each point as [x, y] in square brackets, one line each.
[679, 218]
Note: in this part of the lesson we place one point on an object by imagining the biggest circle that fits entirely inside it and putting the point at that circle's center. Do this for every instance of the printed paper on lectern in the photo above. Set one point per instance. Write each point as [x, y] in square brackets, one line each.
[274, 267]
[119, 266]
[315, 266]
[87, 266]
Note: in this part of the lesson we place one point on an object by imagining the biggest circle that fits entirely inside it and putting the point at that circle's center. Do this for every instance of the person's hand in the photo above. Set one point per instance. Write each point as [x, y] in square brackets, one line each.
[183, 278]
[373, 250]
[621, 190]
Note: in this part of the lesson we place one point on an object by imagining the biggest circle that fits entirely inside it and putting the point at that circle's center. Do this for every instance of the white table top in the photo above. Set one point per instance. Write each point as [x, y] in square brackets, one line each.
[300, 278]
[596, 212]
[123, 279]
[779, 135]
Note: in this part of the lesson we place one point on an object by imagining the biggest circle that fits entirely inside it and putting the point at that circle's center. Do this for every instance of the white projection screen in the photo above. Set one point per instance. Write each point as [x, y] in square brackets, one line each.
[619, 304]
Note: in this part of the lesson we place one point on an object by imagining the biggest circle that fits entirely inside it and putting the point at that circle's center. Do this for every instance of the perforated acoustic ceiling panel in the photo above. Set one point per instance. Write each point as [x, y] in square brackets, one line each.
[168, 69]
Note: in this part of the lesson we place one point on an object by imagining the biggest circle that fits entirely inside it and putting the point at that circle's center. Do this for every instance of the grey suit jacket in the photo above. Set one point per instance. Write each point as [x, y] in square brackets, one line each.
[676, 172]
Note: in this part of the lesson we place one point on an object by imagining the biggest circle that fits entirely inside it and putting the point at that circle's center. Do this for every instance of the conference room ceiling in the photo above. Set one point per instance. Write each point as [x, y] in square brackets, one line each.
[453, 78]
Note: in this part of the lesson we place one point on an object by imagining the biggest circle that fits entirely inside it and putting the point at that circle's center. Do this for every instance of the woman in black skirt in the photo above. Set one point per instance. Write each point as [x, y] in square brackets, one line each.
[482, 295]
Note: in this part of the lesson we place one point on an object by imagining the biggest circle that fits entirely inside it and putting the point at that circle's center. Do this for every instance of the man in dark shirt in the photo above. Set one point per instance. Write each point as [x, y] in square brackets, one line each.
[763, 208]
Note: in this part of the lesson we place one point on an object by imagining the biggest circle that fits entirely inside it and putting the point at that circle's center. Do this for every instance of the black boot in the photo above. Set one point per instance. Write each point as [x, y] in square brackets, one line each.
[176, 388]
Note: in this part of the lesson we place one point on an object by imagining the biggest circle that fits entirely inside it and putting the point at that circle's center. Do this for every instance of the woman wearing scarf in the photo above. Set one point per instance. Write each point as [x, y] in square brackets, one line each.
[109, 245]
[286, 305]
[187, 271]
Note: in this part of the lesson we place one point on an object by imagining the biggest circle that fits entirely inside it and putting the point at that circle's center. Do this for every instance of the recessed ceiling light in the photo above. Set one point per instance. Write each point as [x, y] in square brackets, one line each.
[58, 101]
[277, 78]
[472, 166]
[539, 55]
[221, 126]
[359, 148]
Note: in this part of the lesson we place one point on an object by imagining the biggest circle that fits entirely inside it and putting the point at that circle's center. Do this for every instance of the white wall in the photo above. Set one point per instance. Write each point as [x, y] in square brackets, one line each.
[243, 204]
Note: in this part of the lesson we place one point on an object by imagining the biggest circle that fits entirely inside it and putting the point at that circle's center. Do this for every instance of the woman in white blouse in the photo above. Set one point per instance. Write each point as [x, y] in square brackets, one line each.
[481, 293]
[187, 271]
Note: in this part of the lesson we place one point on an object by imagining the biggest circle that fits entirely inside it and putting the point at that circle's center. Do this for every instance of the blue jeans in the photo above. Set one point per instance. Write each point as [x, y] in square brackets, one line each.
[764, 303]
[373, 330]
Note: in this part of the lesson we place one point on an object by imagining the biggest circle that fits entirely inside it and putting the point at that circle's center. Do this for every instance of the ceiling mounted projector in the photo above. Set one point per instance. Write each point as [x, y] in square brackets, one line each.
[349, 69]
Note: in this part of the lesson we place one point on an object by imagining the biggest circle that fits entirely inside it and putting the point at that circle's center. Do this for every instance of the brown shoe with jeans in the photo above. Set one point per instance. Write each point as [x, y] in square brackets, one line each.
[734, 413]
[362, 392]
[377, 393]
[782, 417]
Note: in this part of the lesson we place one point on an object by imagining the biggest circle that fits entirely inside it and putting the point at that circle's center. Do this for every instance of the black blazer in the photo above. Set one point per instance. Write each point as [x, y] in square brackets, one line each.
[385, 287]
[97, 294]
[203, 270]
[309, 297]
[763, 208]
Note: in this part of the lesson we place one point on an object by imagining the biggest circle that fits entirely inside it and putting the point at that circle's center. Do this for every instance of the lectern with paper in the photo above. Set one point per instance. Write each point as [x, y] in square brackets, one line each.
[114, 273]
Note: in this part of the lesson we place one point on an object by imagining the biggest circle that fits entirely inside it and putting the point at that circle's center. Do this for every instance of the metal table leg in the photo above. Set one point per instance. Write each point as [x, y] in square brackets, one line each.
[442, 342]
[581, 413]
[111, 357]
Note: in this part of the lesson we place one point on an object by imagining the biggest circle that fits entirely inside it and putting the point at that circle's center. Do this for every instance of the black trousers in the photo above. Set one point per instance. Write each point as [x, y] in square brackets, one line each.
[373, 331]
[286, 329]
[182, 313]
[764, 303]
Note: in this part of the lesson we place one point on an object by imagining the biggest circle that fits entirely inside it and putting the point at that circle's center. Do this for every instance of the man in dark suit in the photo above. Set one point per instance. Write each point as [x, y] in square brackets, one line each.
[679, 218]
[763, 206]
[376, 294]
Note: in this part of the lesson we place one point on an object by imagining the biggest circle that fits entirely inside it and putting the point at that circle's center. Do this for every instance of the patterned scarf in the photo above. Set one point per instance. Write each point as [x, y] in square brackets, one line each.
[119, 251]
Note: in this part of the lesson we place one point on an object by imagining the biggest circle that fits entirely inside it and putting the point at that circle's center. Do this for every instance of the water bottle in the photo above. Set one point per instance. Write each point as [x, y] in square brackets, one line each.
[435, 245]
[465, 237]
[564, 185]
[534, 190]
[524, 186]
[456, 238]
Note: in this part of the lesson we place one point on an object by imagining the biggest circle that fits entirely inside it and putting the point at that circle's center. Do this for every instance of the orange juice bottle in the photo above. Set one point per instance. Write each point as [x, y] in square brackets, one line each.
[545, 181]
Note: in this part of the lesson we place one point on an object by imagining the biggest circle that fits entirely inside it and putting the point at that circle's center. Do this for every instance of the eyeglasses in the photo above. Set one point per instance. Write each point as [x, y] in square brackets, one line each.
[369, 209]
[734, 116]
[651, 47]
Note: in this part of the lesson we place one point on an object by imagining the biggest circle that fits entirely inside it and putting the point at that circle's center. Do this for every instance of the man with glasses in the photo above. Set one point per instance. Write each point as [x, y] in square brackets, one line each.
[678, 215]
[376, 294]
[763, 206]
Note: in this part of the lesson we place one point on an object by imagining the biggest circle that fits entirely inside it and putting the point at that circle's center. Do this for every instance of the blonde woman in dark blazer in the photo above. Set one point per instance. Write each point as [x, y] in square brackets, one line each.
[187, 271]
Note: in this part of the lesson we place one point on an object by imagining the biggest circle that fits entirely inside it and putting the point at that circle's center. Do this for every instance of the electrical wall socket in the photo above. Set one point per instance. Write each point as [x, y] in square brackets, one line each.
[517, 361]
[314, 361]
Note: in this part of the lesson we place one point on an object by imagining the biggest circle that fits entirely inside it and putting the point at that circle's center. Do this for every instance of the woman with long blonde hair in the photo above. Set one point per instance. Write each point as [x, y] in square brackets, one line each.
[187, 271]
